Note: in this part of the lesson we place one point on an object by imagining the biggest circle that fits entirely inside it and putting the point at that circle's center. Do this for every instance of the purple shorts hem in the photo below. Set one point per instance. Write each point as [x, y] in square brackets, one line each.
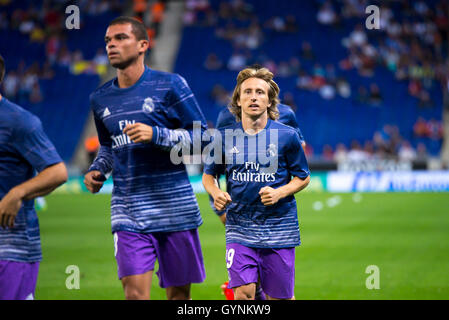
[275, 268]
[18, 280]
[133, 273]
[178, 253]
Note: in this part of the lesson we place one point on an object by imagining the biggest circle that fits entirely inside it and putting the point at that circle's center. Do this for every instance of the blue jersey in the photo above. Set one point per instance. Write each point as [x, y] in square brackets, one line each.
[24, 149]
[226, 118]
[286, 116]
[268, 158]
[150, 193]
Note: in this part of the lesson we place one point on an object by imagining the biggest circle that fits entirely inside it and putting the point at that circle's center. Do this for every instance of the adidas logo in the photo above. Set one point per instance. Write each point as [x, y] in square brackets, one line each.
[234, 150]
[106, 112]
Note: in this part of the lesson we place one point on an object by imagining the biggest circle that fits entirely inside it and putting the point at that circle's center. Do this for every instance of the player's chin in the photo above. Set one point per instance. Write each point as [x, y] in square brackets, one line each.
[120, 63]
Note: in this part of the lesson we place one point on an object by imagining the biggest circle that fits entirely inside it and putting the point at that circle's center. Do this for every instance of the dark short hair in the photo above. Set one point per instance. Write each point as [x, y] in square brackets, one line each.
[2, 68]
[138, 29]
[255, 66]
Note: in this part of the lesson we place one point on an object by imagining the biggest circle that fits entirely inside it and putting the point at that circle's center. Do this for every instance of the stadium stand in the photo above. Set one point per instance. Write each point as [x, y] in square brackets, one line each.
[348, 85]
[51, 69]
[348, 82]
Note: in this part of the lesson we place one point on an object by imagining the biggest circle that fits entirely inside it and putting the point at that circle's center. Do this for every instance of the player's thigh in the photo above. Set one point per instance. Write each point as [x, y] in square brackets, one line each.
[178, 293]
[137, 287]
[277, 272]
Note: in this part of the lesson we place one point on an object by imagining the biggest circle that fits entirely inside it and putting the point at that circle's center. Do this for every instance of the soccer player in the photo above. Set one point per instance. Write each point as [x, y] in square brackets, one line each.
[226, 118]
[262, 228]
[24, 149]
[140, 115]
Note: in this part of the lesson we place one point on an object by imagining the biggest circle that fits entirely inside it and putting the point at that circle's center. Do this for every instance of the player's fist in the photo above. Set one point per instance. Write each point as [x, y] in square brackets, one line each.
[269, 196]
[9, 207]
[139, 132]
[221, 200]
[93, 180]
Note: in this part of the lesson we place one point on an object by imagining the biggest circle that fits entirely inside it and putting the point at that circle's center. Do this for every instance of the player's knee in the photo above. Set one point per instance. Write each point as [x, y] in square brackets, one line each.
[132, 293]
[178, 293]
[243, 294]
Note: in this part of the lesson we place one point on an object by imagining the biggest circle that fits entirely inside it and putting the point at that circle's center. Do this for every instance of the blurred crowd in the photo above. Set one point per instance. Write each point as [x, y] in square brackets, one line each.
[151, 14]
[388, 143]
[411, 43]
[410, 46]
[45, 24]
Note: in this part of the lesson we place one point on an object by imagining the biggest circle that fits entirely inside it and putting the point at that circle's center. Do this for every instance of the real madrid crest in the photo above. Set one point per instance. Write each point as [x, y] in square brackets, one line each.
[148, 105]
[272, 150]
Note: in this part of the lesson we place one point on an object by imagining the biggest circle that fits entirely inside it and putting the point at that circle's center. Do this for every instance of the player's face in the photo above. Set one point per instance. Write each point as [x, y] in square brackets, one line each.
[254, 99]
[122, 46]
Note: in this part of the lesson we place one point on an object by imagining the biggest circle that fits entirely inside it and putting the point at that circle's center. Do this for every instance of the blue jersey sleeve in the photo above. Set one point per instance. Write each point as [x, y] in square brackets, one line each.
[290, 120]
[296, 159]
[183, 111]
[225, 118]
[33, 144]
[214, 164]
[104, 160]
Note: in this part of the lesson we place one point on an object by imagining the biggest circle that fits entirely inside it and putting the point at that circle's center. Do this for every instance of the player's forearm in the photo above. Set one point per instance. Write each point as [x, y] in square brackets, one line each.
[294, 186]
[45, 182]
[210, 184]
[104, 161]
[185, 138]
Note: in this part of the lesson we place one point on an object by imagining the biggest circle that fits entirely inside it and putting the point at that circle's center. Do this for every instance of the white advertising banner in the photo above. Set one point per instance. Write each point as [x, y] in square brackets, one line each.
[385, 181]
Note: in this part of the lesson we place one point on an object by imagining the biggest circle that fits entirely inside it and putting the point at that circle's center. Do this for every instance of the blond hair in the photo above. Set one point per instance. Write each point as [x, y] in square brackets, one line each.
[273, 92]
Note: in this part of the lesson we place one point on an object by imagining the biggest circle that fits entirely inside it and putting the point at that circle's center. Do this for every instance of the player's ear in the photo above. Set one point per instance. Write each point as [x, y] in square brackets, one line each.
[144, 45]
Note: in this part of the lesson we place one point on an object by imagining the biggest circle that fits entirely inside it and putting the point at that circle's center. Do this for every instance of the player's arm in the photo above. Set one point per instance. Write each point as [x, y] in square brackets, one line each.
[102, 165]
[269, 196]
[40, 185]
[221, 198]
[224, 119]
[292, 122]
[33, 144]
[298, 168]
[183, 109]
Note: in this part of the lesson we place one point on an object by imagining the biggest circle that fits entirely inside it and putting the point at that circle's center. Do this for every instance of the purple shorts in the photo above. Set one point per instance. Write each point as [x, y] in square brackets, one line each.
[179, 256]
[275, 268]
[18, 280]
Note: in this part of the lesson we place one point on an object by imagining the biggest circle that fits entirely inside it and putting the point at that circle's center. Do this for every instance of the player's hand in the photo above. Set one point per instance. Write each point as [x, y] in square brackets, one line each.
[221, 200]
[139, 132]
[93, 180]
[269, 196]
[9, 207]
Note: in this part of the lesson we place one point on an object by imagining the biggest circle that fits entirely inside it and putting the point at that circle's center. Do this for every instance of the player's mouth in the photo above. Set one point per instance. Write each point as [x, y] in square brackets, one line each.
[113, 54]
[254, 106]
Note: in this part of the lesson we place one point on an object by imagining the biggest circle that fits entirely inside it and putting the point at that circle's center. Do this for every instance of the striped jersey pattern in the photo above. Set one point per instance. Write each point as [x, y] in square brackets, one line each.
[24, 149]
[151, 193]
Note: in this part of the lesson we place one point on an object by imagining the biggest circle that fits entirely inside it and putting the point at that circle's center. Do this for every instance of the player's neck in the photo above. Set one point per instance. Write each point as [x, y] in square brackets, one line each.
[129, 76]
[254, 125]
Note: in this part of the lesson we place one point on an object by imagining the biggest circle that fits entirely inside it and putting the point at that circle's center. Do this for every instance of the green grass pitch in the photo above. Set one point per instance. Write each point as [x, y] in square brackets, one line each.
[405, 234]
